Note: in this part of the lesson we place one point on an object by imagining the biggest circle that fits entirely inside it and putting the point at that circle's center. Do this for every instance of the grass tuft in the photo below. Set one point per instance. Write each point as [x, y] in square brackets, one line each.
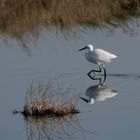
[40, 101]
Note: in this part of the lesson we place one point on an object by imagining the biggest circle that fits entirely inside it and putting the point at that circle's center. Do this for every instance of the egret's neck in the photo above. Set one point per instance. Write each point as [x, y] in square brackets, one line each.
[91, 101]
[91, 48]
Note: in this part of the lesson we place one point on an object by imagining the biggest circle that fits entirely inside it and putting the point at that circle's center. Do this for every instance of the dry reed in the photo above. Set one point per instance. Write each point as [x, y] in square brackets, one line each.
[24, 16]
[40, 101]
[24, 19]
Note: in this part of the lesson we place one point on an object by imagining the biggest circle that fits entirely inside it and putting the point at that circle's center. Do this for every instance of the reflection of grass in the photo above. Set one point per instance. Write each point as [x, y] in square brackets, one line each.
[19, 17]
[40, 101]
[51, 128]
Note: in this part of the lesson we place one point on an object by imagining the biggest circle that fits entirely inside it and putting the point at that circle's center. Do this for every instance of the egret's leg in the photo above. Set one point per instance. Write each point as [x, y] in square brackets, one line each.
[104, 74]
[92, 77]
[99, 80]
[94, 71]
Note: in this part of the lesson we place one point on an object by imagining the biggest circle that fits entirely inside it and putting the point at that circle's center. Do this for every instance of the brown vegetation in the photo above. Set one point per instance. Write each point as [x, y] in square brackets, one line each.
[20, 17]
[40, 101]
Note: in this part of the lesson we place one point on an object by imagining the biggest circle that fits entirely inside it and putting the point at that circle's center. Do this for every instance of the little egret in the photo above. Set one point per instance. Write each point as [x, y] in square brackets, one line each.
[98, 57]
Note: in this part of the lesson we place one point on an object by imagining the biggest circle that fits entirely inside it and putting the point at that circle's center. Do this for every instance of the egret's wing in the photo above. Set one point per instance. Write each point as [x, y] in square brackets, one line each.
[103, 55]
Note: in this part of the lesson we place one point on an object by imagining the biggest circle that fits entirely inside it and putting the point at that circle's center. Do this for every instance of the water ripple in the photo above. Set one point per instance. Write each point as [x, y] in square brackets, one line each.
[132, 76]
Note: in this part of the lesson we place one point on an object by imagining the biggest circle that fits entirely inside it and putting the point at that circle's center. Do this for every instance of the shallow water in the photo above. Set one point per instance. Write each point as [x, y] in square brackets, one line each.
[115, 116]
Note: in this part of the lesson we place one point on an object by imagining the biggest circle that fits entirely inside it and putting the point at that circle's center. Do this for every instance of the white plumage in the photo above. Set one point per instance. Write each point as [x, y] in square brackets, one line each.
[98, 56]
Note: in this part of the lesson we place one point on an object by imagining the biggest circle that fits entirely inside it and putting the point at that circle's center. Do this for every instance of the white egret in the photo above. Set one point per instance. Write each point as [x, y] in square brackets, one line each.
[98, 57]
[98, 93]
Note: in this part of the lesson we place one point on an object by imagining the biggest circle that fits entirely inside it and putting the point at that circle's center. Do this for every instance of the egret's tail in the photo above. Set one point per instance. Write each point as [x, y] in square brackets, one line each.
[113, 56]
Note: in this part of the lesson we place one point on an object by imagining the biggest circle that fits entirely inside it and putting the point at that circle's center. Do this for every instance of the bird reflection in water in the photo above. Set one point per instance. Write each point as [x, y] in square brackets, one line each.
[98, 92]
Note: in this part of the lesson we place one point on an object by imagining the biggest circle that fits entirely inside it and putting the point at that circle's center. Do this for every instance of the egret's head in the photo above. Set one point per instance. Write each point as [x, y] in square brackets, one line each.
[89, 47]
